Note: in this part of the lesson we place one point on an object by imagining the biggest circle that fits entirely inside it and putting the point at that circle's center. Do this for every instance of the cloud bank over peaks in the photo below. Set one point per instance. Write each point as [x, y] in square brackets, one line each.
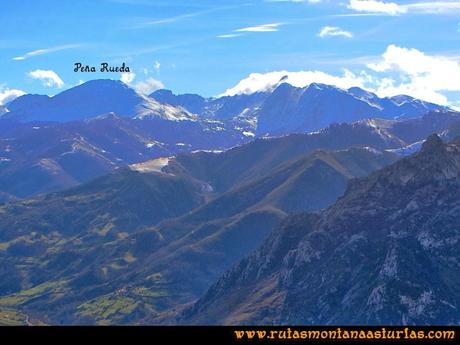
[7, 94]
[149, 85]
[127, 77]
[146, 86]
[397, 71]
[415, 73]
[261, 82]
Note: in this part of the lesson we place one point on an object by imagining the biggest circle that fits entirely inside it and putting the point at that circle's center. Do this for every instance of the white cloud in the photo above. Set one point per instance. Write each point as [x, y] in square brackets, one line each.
[261, 28]
[228, 36]
[412, 72]
[45, 51]
[148, 86]
[181, 17]
[7, 95]
[434, 7]
[174, 19]
[393, 8]
[157, 66]
[334, 31]
[144, 87]
[48, 78]
[272, 27]
[259, 82]
[375, 6]
[128, 77]
[397, 71]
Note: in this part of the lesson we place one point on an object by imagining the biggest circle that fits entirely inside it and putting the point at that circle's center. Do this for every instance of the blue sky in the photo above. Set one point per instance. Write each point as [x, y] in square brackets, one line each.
[208, 47]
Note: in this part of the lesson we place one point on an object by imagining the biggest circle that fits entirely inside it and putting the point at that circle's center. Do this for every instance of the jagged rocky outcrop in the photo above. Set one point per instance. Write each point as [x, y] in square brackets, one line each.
[384, 253]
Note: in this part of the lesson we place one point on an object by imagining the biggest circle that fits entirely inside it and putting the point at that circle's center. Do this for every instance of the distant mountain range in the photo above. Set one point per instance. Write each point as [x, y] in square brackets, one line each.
[37, 157]
[52, 143]
[284, 110]
[288, 109]
[311, 205]
[385, 253]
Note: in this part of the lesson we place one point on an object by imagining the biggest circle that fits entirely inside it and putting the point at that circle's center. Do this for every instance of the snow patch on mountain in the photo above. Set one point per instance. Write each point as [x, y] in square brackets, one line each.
[409, 149]
[248, 134]
[151, 108]
[154, 165]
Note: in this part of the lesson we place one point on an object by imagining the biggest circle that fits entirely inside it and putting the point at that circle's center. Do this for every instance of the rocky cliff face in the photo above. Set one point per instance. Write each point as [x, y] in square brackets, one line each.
[384, 253]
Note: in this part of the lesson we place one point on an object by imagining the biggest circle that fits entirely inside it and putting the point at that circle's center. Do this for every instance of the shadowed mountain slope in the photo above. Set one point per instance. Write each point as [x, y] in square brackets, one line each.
[107, 240]
[384, 253]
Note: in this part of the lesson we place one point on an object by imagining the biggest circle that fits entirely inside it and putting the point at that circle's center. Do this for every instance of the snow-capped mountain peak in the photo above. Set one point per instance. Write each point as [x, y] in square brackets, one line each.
[91, 99]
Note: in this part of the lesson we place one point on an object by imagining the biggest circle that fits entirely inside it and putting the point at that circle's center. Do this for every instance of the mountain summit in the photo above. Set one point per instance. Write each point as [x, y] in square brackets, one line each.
[91, 99]
[289, 109]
